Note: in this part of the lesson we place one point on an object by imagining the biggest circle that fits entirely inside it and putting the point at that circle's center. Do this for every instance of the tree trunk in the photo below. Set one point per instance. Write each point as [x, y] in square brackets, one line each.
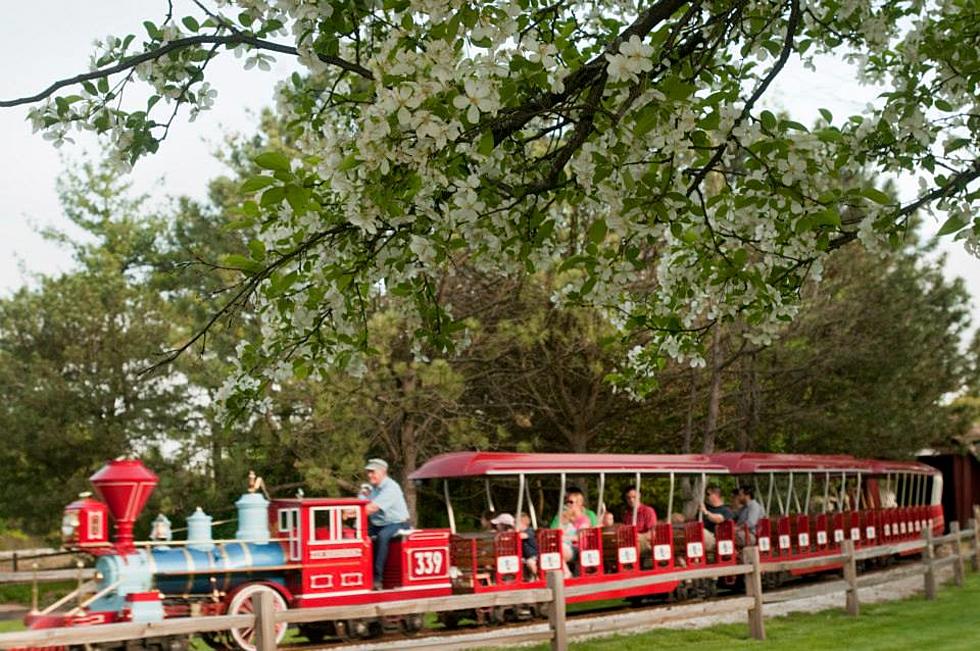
[714, 395]
[409, 463]
[691, 404]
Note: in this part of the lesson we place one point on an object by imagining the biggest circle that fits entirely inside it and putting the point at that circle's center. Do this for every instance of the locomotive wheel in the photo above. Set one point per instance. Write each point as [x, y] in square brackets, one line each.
[316, 632]
[241, 604]
[412, 624]
[450, 619]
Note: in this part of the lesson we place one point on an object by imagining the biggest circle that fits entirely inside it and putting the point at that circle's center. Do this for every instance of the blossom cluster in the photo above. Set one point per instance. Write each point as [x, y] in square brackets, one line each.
[615, 144]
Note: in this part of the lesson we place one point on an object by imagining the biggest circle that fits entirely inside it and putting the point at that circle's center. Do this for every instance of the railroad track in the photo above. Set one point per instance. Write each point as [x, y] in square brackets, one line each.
[604, 620]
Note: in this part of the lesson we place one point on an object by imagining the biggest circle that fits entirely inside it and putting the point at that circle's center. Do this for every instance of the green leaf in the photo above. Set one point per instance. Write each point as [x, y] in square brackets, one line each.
[827, 115]
[956, 143]
[257, 183]
[298, 198]
[273, 160]
[486, 143]
[943, 105]
[191, 23]
[768, 120]
[952, 225]
[877, 196]
[272, 196]
[152, 30]
[597, 231]
[257, 249]
[242, 263]
[348, 163]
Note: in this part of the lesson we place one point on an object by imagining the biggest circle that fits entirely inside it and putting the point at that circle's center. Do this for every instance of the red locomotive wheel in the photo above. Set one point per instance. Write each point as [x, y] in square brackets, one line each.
[241, 604]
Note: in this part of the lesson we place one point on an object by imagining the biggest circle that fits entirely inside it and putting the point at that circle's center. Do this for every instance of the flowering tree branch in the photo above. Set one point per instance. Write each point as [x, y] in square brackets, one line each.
[622, 149]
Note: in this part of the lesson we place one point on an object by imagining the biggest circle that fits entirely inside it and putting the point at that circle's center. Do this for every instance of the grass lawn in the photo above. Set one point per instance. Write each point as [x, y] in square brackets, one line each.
[952, 621]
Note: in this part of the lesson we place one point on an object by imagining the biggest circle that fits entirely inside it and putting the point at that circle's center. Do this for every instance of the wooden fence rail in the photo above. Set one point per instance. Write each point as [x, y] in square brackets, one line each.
[265, 617]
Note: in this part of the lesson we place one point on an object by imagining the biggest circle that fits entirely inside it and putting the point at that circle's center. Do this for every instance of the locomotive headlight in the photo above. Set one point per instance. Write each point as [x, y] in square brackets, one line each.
[69, 525]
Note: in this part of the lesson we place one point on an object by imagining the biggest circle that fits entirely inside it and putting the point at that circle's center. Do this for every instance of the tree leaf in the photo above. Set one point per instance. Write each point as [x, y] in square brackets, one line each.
[877, 196]
[257, 183]
[273, 160]
[952, 225]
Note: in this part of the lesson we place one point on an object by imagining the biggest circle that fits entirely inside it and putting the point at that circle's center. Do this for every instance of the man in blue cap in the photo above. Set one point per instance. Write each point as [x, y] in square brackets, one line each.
[387, 513]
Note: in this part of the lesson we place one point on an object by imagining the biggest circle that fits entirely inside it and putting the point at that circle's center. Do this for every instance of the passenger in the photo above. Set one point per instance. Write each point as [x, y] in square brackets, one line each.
[503, 522]
[714, 511]
[608, 519]
[573, 517]
[646, 518]
[576, 494]
[486, 520]
[529, 544]
[387, 513]
[748, 515]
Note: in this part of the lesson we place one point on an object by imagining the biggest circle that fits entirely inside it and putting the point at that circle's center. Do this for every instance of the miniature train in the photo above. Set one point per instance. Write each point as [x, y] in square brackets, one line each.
[311, 552]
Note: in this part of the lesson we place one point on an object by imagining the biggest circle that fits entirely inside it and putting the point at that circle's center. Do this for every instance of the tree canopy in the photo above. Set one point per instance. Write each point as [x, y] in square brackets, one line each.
[615, 144]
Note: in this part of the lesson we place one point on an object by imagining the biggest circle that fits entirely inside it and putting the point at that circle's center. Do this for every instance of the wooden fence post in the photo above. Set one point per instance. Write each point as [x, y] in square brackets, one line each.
[928, 554]
[753, 588]
[958, 569]
[976, 538]
[265, 620]
[850, 575]
[556, 614]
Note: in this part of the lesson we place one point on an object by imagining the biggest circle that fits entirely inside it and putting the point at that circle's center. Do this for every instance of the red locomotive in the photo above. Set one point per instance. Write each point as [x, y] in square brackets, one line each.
[311, 552]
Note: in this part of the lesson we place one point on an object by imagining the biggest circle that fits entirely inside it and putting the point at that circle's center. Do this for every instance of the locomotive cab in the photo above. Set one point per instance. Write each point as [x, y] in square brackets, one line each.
[85, 524]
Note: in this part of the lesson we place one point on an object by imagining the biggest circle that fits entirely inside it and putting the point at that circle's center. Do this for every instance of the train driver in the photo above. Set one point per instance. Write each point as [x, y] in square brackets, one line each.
[387, 513]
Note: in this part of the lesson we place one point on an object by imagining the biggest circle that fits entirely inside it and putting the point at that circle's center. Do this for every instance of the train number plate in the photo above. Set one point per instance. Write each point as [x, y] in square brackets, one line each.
[590, 558]
[855, 533]
[695, 550]
[725, 547]
[428, 563]
[803, 540]
[508, 564]
[764, 544]
[838, 535]
[784, 541]
[661, 552]
[869, 533]
[627, 555]
[821, 537]
[550, 561]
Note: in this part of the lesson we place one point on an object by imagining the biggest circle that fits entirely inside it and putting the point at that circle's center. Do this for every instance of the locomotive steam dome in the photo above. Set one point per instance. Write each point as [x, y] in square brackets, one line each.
[125, 485]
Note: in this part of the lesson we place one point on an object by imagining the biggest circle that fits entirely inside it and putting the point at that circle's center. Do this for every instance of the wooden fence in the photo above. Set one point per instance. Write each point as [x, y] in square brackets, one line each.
[265, 618]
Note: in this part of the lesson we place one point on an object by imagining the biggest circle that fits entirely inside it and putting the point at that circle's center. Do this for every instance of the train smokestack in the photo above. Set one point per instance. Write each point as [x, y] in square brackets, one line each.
[125, 485]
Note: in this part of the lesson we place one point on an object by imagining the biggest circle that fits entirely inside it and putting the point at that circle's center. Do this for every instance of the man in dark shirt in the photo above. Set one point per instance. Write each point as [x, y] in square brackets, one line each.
[714, 511]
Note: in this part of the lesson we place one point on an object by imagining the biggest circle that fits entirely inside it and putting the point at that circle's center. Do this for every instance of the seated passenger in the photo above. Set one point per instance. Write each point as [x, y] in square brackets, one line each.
[529, 544]
[608, 519]
[572, 518]
[646, 518]
[486, 520]
[576, 494]
[748, 515]
[714, 511]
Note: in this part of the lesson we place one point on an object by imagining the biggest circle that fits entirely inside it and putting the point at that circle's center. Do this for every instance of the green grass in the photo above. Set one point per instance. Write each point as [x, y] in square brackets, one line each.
[11, 625]
[48, 593]
[952, 621]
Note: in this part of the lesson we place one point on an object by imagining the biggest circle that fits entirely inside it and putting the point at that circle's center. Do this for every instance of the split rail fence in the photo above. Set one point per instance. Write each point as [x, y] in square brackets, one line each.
[265, 618]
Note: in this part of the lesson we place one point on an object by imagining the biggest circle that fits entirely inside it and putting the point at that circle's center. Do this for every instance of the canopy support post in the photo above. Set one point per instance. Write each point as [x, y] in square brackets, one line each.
[449, 506]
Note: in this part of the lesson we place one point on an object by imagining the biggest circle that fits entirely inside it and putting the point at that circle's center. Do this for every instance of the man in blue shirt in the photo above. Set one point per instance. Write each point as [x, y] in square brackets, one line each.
[387, 513]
